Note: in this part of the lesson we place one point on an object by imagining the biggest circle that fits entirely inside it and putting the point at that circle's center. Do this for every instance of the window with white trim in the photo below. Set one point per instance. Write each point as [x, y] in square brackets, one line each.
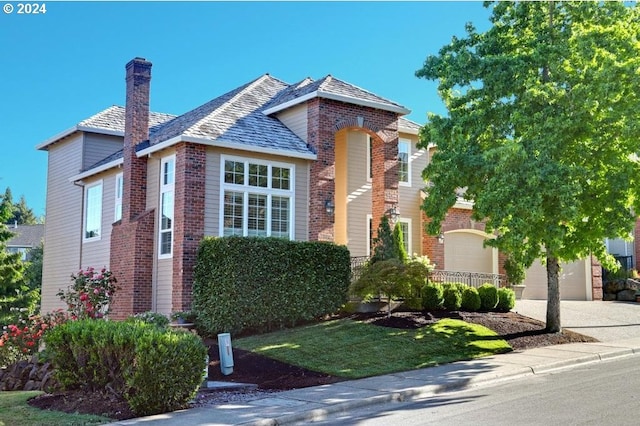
[404, 166]
[93, 212]
[257, 198]
[167, 180]
[118, 197]
[405, 225]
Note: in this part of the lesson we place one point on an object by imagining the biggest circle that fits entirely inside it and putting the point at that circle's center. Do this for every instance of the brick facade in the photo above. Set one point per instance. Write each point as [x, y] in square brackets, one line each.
[132, 238]
[188, 228]
[326, 117]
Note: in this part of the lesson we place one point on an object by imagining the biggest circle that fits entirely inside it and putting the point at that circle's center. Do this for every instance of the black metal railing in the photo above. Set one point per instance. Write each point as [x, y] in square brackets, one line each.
[357, 264]
[626, 264]
[472, 279]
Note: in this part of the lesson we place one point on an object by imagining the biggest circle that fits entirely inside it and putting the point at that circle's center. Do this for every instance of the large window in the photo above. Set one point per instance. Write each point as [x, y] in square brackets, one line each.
[167, 180]
[93, 211]
[257, 198]
[118, 197]
[405, 225]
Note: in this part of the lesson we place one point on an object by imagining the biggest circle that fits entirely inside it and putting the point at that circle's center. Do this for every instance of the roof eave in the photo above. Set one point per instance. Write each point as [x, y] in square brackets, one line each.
[96, 170]
[289, 104]
[77, 128]
[408, 130]
[221, 143]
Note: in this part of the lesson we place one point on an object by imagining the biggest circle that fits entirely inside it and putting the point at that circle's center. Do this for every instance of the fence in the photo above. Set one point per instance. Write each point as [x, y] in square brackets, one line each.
[357, 263]
[472, 279]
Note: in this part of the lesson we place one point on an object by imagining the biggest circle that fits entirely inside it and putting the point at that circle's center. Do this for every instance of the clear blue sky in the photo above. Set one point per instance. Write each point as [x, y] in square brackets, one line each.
[67, 64]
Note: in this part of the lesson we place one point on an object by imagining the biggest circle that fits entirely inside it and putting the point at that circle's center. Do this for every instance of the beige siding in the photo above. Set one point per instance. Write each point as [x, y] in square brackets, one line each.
[63, 227]
[340, 198]
[464, 251]
[212, 190]
[98, 147]
[575, 281]
[358, 194]
[409, 197]
[296, 120]
[163, 285]
[96, 252]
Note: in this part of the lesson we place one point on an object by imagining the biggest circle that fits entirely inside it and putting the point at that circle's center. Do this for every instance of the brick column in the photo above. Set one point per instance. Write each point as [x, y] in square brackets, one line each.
[188, 229]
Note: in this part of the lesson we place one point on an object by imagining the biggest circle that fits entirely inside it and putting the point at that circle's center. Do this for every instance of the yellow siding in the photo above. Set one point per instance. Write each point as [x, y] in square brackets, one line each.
[295, 119]
[63, 227]
[358, 193]
[340, 199]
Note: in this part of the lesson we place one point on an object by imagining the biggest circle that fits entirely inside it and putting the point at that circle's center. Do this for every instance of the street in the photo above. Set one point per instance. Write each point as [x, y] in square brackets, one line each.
[602, 393]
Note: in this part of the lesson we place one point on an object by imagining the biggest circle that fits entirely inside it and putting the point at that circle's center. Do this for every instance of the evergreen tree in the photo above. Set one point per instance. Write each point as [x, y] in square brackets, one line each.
[384, 246]
[23, 214]
[13, 290]
[398, 241]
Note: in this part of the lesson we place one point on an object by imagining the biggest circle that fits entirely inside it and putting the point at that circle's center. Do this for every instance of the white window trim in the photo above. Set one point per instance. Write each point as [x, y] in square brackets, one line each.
[118, 199]
[409, 144]
[245, 189]
[165, 189]
[86, 211]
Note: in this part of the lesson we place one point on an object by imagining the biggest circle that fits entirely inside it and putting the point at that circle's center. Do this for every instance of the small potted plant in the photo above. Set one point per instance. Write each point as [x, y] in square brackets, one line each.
[183, 317]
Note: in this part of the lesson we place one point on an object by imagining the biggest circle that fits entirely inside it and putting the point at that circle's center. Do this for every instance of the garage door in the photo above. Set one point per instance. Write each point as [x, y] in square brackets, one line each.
[575, 284]
[463, 251]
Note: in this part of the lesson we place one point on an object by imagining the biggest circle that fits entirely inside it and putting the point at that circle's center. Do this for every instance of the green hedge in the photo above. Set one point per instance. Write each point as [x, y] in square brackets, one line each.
[155, 370]
[506, 299]
[432, 296]
[488, 296]
[470, 299]
[243, 283]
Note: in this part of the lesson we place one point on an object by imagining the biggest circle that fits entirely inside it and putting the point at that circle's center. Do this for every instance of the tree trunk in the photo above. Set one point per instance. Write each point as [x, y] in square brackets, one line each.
[553, 295]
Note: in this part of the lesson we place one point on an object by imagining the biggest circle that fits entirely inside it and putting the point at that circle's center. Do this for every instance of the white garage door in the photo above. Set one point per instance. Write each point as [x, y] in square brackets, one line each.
[575, 283]
[463, 251]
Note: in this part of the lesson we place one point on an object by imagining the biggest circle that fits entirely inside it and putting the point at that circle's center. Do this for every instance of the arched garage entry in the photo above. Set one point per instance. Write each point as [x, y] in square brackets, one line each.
[464, 251]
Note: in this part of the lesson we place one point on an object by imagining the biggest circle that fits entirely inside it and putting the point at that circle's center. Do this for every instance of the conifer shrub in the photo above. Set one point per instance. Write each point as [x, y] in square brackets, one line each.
[470, 299]
[506, 299]
[432, 296]
[488, 296]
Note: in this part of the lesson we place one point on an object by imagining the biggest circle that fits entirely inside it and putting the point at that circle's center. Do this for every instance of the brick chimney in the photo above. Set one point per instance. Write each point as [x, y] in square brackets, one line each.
[136, 130]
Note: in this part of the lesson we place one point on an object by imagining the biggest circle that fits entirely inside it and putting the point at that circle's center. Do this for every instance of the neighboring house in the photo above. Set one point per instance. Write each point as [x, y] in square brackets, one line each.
[26, 237]
[136, 191]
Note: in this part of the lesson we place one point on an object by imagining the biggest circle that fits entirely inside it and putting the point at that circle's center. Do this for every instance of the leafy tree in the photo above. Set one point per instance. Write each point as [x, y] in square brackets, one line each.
[542, 130]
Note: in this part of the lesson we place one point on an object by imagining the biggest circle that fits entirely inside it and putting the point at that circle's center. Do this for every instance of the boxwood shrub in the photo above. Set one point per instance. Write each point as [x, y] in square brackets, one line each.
[470, 299]
[155, 370]
[506, 299]
[432, 296]
[488, 296]
[257, 283]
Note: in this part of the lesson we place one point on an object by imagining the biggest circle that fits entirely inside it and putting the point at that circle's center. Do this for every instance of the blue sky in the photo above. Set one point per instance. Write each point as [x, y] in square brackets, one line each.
[63, 66]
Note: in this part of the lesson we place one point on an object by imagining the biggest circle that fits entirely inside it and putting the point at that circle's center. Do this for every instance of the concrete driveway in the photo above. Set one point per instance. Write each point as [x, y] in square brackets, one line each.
[606, 321]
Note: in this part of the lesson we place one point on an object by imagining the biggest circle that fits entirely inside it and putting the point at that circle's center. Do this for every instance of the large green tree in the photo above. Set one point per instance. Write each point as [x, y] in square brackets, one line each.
[543, 130]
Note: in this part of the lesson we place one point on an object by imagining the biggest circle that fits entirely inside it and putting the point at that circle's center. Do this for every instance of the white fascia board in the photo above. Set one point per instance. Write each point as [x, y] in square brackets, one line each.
[363, 102]
[290, 103]
[408, 130]
[74, 129]
[336, 97]
[221, 143]
[96, 170]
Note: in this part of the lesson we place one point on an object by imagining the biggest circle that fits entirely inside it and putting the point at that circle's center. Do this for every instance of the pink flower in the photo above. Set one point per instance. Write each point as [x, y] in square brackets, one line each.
[96, 291]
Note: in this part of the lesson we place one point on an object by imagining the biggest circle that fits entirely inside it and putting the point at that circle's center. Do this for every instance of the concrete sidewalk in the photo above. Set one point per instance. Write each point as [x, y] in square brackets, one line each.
[307, 404]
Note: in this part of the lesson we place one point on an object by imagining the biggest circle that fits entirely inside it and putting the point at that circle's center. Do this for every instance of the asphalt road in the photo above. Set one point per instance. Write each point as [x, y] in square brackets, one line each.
[604, 393]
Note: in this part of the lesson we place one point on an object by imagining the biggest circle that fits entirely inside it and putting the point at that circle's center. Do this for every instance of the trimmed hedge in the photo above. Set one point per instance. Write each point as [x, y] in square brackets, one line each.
[155, 370]
[432, 296]
[470, 299]
[257, 283]
[452, 297]
[506, 299]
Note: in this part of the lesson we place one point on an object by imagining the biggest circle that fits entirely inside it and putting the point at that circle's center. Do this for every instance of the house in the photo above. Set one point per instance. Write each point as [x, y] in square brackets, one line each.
[26, 237]
[136, 191]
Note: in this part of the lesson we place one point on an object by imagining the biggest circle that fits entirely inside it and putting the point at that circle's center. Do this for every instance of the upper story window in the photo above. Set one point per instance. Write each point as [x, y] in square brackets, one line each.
[118, 197]
[93, 211]
[404, 166]
[167, 180]
[257, 198]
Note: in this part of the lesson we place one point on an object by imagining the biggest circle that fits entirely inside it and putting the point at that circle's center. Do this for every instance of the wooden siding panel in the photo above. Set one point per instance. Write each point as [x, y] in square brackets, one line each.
[98, 147]
[358, 194]
[296, 120]
[63, 227]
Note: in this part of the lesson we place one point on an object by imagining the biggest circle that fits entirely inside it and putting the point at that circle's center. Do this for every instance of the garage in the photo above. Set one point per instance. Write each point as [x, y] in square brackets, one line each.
[575, 281]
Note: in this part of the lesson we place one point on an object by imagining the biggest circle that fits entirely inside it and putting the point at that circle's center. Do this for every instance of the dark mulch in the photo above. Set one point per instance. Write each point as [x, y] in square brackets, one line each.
[271, 375]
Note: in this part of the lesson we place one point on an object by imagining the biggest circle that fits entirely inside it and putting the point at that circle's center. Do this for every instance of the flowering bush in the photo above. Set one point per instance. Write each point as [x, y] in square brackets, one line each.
[23, 339]
[89, 295]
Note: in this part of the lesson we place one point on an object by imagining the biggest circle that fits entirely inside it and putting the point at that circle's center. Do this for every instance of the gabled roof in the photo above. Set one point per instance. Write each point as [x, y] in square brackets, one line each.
[107, 122]
[407, 126]
[26, 235]
[330, 87]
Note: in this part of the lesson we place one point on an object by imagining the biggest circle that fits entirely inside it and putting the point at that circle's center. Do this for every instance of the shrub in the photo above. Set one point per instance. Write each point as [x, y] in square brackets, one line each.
[265, 283]
[452, 297]
[90, 294]
[488, 296]
[432, 296]
[155, 318]
[470, 299]
[506, 299]
[155, 370]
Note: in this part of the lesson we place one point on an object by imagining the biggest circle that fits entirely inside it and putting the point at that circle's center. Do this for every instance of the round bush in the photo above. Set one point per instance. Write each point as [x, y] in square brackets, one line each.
[470, 299]
[452, 298]
[432, 296]
[506, 299]
[488, 296]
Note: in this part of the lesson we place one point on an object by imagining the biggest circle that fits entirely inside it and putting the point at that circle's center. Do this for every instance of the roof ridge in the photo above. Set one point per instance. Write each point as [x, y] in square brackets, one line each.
[228, 103]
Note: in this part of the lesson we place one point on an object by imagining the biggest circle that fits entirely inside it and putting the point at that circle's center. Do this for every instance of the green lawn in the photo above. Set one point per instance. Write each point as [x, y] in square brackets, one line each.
[14, 411]
[352, 349]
